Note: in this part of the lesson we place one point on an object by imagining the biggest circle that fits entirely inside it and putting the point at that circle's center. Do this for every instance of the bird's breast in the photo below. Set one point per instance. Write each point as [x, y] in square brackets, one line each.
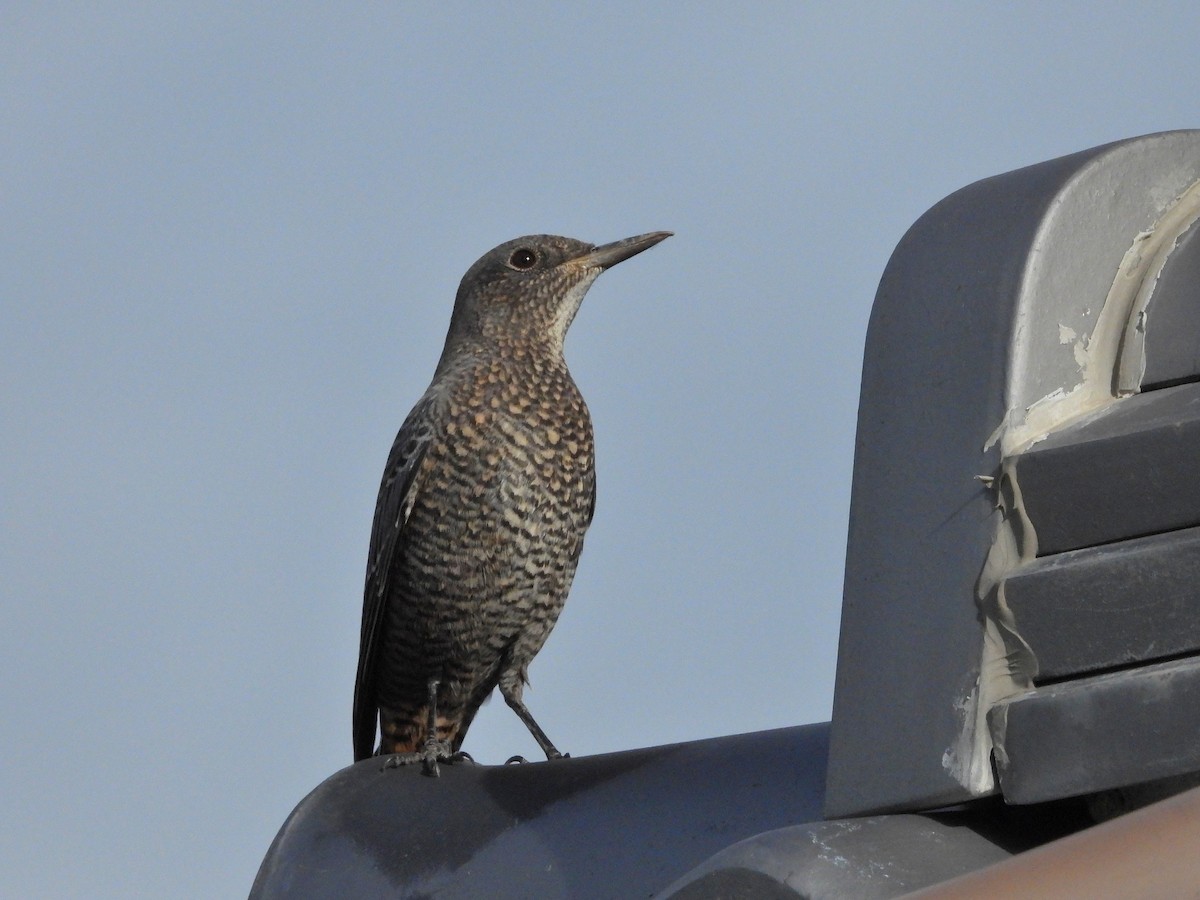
[514, 452]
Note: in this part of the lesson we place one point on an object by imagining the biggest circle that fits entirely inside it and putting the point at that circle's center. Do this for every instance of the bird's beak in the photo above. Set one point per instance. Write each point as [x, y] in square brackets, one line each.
[608, 255]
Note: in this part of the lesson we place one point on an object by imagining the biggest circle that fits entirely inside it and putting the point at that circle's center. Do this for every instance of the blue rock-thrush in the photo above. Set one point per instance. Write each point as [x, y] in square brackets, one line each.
[488, 491]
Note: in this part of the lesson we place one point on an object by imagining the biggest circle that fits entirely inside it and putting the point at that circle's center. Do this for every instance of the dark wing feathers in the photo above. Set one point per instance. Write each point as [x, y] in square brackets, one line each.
[396, 497]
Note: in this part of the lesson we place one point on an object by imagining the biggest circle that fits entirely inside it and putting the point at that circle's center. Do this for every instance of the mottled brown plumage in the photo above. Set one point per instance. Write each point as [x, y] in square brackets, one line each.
[487, 494]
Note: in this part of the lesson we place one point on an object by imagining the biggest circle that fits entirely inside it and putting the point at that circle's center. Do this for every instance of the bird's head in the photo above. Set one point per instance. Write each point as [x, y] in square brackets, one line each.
[530, 288]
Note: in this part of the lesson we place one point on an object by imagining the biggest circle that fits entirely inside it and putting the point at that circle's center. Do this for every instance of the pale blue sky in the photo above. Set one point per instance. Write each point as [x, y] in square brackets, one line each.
[229, 242]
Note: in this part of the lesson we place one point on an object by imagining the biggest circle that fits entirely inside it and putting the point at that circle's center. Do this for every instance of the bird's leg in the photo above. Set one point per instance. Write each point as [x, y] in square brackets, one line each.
[433, 749]
[512, 696]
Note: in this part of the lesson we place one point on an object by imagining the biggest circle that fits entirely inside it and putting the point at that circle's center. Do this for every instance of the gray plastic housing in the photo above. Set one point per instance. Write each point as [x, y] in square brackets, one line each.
[1002, 423]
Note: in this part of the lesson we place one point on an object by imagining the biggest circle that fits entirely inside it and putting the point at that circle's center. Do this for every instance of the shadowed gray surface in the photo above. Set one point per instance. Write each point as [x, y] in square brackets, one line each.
[1108, 606]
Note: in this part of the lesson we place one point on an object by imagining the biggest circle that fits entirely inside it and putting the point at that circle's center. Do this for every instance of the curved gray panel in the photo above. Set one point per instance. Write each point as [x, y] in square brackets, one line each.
[615, 825]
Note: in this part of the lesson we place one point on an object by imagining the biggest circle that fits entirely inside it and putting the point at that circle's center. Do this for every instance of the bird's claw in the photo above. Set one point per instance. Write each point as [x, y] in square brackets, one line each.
[435, 751]
[441, 754]
[396, 760]
[520, 760]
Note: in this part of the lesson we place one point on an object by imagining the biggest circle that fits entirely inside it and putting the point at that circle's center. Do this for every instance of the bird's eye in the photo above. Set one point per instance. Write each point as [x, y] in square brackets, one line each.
[523, 259]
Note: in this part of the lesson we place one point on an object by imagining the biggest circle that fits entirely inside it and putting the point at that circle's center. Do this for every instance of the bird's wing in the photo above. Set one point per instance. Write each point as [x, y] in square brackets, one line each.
[397, 495]
[591, 513]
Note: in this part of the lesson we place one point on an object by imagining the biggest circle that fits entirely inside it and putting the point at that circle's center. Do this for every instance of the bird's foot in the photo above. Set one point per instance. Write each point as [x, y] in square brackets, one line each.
[396, 760]
[435, 751]
[430, 756]
[520, 760]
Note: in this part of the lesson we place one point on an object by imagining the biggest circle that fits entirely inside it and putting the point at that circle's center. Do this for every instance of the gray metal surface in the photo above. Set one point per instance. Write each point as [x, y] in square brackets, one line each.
[1172, 335]
[616, 825]
[880, 857]
[989, 330]
[877, 857]
[1101, 732]
[1134, 469]
[1110, 606]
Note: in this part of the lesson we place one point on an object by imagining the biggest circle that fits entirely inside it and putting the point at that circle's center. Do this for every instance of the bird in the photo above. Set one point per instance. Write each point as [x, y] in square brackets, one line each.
[486, 496]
